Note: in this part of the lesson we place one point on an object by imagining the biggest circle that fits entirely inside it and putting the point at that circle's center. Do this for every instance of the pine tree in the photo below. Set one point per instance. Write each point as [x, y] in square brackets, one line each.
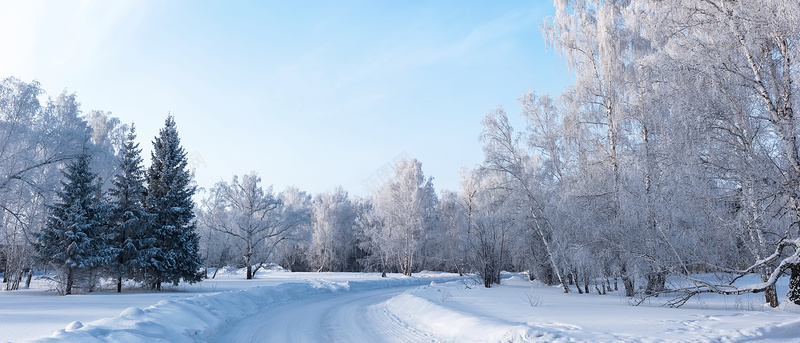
[132, 247]
[169, 199]
[74, 241]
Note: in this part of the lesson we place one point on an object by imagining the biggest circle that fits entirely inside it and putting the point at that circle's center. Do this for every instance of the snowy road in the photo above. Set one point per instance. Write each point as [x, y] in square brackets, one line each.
[348, 317]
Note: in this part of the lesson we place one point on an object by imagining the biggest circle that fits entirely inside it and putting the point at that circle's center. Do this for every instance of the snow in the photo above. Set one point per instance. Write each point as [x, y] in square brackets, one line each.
[524, 311]
[183, 314]
[363, 307]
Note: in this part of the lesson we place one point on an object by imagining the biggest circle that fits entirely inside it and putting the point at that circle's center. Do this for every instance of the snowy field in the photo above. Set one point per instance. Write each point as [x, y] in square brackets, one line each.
[353, 307]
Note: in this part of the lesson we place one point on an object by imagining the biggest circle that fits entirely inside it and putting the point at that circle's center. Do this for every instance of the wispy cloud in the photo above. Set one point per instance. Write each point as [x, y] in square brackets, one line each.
[413, 50]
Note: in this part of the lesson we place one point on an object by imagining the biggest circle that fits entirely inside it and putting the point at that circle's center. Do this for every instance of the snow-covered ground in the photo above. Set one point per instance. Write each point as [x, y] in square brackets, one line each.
[352, 307]
[524, 311]
[177, 314]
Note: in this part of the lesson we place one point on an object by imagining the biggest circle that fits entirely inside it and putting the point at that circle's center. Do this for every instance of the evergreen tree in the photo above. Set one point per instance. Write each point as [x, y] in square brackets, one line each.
[132, 247]
[74, 241]
[169, 199]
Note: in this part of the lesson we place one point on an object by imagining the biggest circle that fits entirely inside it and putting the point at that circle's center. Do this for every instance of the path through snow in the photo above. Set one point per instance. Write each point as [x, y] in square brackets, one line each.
[349, 317]
[207, 317]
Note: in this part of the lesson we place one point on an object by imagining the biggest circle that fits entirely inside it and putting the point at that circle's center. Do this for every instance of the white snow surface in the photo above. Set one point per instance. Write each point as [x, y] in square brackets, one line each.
[523, 311]
[363, 307]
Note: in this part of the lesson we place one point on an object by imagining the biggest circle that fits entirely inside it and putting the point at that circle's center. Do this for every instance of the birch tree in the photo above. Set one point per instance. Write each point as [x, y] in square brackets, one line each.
[406, 206]
[504, 154]
[593, 37]
[741, 57]
[333, 240]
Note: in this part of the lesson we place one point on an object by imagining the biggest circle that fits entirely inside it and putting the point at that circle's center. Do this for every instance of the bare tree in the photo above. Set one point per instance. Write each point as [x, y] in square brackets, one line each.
[246, 213]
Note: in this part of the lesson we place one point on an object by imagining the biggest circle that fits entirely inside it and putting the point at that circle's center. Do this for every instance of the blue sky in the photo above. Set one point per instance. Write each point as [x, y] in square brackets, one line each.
[310, 94]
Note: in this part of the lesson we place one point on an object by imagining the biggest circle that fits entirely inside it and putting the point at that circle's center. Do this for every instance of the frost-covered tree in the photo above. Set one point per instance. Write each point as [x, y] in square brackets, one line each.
[493, 223]
[599, 46]
[169, 199]
[738, 62]
[333, 240]
[107, 136]
[75, 241]
[453, 219]
[246, 213]
[294, 218]
[674, 151]
[373, 238]
[504, 154]
[247, 226]
[215, 248]
[128, 221]
[406, 206]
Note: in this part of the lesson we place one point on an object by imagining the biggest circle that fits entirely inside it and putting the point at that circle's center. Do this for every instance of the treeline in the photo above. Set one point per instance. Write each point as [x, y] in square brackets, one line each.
[398, 229]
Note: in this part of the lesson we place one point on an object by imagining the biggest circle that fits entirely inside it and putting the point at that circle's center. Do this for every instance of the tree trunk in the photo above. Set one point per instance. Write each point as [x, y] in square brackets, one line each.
[627, 281]
[383, 266]
[655, 283]
[30, 276]
[794, 285]
[68, 288]
[771, 296]
[16, 280]
[552, 260]
[249, 271]
[577, 285]
[119, 284]
[544, 271]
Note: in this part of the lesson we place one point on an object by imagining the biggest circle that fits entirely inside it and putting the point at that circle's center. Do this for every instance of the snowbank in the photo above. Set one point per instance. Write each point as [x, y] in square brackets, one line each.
[427, 308]
[523, 311]
[450, 325]
[197, 318]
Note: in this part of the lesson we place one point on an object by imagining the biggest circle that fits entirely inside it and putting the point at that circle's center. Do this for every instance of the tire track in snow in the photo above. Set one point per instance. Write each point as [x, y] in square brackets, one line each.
[350, 317]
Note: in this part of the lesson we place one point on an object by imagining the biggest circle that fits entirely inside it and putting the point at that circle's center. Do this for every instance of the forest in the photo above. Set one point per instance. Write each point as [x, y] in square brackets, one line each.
[674, 154]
